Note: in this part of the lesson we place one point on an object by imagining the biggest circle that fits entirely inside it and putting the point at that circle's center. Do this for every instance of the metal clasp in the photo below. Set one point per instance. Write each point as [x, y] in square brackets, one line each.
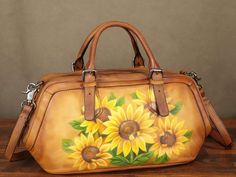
[90, 71]
[157, 70]
[193, 75]
[30, 91]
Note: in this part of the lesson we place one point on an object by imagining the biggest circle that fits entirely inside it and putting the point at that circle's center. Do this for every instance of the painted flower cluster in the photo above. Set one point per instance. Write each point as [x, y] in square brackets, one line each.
[127, 133]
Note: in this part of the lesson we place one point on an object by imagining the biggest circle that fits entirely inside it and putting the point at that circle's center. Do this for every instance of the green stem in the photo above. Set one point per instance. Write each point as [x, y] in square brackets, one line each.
[131, 157]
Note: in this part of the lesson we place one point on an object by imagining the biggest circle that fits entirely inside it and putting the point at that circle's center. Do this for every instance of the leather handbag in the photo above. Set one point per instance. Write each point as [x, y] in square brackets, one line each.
[96, 120]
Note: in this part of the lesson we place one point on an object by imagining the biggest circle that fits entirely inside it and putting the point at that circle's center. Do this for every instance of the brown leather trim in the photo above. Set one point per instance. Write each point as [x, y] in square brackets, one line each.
[158, 89]
[219, 133]
[89, 96]
[16, 135]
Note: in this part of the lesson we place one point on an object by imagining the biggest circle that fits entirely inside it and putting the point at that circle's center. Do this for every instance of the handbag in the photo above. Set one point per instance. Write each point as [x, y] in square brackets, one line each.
[97, 120]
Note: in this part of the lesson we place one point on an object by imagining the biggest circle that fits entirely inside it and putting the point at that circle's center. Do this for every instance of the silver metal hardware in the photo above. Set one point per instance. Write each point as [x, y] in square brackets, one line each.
[157, 70]
[91, 71]
[73, 67]
[30, 91]
[194, 75]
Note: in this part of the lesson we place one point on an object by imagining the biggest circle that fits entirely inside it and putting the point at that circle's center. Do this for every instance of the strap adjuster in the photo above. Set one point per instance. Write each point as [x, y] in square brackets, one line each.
[90, 71]
[156, 70]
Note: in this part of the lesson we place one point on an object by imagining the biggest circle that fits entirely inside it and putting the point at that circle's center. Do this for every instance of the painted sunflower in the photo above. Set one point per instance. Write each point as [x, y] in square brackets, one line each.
[129, 130]
[170, 138]
[89, 153]
[148, 100]
[102, 111]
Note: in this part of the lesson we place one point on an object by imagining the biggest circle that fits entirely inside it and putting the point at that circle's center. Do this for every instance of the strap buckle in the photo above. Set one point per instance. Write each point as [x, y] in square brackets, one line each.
[90, 71]
[156, 70]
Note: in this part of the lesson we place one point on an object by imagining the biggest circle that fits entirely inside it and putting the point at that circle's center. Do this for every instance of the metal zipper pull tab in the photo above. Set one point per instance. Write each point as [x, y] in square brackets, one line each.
[30, 92]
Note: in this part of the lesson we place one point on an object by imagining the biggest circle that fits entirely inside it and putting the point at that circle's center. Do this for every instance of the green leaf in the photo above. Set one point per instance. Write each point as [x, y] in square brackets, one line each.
[76, 125]
[120, 101]
[142, 158]
[162, 159]
[188, 134]
[119, 160]
[134, 95]
[177, 108]
[111, 97]
[66, 143]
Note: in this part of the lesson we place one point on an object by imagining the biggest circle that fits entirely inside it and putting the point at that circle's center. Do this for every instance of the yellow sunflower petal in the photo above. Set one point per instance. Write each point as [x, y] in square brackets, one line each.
[129, 114]
[111, 136]
[84, 123]
[101, 163]
[111, 129]
[115, 141]
[138, 113]
[98, 142]
[92, 165]
[83, 165]
[104, 101]
[161, 152]
[141, 143]
[90, 139]
[139, 102]
[182, 139]
[121, 112]
[147, 123]
[135, 147]
[120, 148]
[105, 148]
[126, 147]
[111, 104]
[179, 126]
[95, 128]
[148, 138]
[104, 155]
[151, 95]
[78, 142]
[167, 123]
[74, 155]
[161, 124]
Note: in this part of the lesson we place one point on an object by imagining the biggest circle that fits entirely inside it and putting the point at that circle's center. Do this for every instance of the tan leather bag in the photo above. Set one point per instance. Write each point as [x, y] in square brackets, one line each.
[103, 120]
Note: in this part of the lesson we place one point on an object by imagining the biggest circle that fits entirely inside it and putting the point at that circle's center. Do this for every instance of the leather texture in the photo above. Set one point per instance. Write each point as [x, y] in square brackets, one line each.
[79, 63]
[105, 120]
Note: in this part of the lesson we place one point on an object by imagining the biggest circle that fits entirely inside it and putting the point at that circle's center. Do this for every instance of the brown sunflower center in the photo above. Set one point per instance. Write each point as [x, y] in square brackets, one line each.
[151, 107]
[90, 153]
[128, 128]
[102, 113]
[168, 139]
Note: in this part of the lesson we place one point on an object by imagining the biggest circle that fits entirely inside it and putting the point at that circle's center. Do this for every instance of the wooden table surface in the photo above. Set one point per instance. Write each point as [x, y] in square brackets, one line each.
[213, 160]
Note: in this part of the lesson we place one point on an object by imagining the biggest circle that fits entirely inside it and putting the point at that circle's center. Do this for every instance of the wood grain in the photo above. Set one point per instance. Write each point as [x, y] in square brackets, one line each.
[213, 160]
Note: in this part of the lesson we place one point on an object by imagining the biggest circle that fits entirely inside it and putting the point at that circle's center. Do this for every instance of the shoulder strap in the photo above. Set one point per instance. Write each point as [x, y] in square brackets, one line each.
[17, 132]
[219, 133]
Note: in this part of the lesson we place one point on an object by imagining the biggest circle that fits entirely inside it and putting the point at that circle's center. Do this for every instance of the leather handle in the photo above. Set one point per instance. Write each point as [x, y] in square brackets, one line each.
[79, 63]
[91, 63]
[90, 81]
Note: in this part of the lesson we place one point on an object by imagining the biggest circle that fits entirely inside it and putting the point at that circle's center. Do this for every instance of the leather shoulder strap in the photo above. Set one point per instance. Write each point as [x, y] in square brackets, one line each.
[219, 133]
[17, 132]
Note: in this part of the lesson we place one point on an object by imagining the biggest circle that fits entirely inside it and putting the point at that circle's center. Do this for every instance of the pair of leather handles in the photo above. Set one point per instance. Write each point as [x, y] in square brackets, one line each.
[94, 37]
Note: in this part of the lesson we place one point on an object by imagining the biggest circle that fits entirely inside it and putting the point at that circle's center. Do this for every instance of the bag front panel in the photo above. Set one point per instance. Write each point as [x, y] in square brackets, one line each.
[126, 133]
